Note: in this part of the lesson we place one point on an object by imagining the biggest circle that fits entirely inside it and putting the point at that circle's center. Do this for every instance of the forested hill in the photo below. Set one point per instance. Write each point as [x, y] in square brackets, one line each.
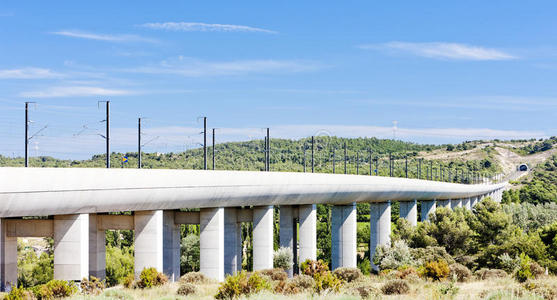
[288, 155]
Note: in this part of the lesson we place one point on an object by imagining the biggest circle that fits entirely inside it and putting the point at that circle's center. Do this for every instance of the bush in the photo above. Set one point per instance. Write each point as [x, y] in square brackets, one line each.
[128, 281]
[119, 264]
[325, 282]
[365, 291]
[508, 263]
[429, 253]
[189, 253]
[275, 274]
[313, 267]
[302, 282]
[408, 273]
[93, 286]
[55, 289]
[150, 277]
[194, 277]
[545, 289]
[282, 258]
[240, 284]
[448, 289]
[524, 273]
[186, 289]
[396, 286]
[436, 270]
[536, 270]
[460, 272]
[394, 257]
[484, 274]
[347, 274]
[19, 293]
[365, 266]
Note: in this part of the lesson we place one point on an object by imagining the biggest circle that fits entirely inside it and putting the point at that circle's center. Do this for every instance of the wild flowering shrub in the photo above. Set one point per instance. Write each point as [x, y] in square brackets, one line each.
[313, 267]
[275, 274]
[186, 289]
[436, 270]
[396, 286]
[393, 257]
[150, 277]
[242, 283]
[193, 277]
[347, 274]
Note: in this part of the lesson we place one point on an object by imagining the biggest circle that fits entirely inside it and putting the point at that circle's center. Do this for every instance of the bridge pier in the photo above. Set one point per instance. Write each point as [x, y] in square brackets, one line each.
[308, 232]
[97, 248]
[211, 241]
[8, 258]
[444, 203]
[428, 207]
[157, 243]
[456, 203]
[466, 203]
[287, 235]
[263, 237]
[343, 236]
[380, 227]
[233, 241]
[409, 211]
[71, 247]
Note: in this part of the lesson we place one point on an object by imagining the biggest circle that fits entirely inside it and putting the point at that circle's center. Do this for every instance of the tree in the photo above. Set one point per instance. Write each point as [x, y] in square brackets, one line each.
[189, 258]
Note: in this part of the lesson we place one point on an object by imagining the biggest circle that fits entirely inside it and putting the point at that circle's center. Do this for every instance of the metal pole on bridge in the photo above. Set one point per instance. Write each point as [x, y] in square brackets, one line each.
[139, 143]
[213, 148]
[357, 163]
[334, 160]
[312, 152]
[27, 134]
[370, 163]
[268, 162]
[204, 143]
[406, 165]
[345, 158]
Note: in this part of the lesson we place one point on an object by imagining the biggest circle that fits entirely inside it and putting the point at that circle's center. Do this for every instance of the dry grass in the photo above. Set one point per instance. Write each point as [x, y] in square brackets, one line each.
[495, 289]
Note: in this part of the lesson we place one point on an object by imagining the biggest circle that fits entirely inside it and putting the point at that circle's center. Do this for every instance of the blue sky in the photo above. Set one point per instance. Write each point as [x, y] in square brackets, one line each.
[444, 71]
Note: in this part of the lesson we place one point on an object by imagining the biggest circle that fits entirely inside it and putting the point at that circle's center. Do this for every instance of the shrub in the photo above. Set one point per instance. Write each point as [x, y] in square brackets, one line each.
[544, 289]
[436, 270]
[240, 284]
[119, 264]
[302, 282]
[347, 274]
[460, 272]
[19, 293]
[189, 253]
[484, 274]
[394, 257]
[55, 289]
[313, 267]
[508, 263]
[365, 266]
[365, 291]
[448, 289]
[396, 286]
[128, 281]
[536, 270]
[282, 258]
[326, 282]
[429, 253]
[94, 286]
[275, 274]
[150, 277]
[524, 273]
[186, 289]
[194, 277]
[408, 273]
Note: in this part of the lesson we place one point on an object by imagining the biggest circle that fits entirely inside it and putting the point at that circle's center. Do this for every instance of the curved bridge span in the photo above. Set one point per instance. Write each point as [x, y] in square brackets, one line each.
[75, 205]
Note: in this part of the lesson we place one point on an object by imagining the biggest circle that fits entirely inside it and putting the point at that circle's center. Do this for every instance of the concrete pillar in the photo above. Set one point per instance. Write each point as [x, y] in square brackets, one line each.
[171, 246]
[428, 207]
[467, 203]
[380, 227]
[343, 236]
[286, 232]
[409, 211]
[211, 242]
[97, 248]
[8, 259]
[148, 241]
[233, 242]
[262, 237]
[456, 203]
[71, 247]
[308, 232]
[444, 203]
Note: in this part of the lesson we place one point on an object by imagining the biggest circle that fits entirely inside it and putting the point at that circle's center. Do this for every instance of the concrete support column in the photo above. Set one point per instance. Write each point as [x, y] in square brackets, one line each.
[456, 203]
[97, 248]
[428, 207]
[286, 232]
[171, 246]
[233, 242]
[444, 203]
[71, 247]
[211, 256]
[409, 211]
[467, 203]
[308, 232]
[8, 259]
[262, 237]
[380, 227]
[343, 236]
[148, 241]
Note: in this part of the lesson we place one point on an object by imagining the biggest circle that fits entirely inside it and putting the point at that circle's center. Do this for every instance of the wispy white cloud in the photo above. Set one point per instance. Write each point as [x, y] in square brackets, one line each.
[75, 91]
[119, 38]
[198, 68]
[440, 50]
[194, 26]
[29, 73]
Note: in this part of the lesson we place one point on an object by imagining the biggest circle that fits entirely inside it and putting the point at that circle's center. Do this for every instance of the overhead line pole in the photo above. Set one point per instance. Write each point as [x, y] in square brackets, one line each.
[345, 158]
[213, 148]
[370, 163]
[334, 161]
[27, 134]
[139, 143]
[268, 150]
[312, 150]
[204, 143]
